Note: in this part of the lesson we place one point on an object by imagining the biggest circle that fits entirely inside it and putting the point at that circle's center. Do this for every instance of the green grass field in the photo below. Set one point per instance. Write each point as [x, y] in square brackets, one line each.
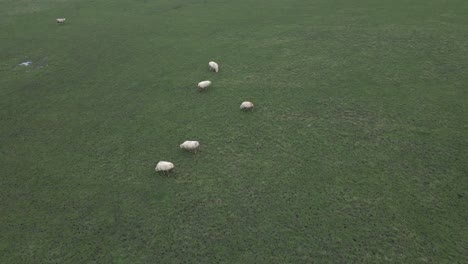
[356, 152]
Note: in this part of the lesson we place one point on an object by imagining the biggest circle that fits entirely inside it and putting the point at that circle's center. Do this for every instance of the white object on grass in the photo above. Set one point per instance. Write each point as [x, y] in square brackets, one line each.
[247, 106]
[190, 145]
[213, 66]
[164, 166]
[203, 85]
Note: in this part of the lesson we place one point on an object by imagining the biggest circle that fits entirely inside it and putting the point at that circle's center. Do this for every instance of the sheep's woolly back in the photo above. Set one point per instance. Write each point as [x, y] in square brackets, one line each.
[214, 66]
[190, 145]
[246, 105]
[204, 84]
[164, 166]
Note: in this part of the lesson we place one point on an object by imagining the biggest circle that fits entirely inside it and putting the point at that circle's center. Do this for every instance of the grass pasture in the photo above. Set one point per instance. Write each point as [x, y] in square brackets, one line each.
[356, 151]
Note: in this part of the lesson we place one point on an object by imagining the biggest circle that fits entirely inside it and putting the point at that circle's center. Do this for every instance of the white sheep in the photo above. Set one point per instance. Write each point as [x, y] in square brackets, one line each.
[213, 66]
[60, 20]
[203, 85]
[191, 146]
[247, 106]
[164, 166]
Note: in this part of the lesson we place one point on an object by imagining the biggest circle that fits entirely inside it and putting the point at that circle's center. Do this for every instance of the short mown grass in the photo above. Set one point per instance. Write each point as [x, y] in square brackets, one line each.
[356, 151]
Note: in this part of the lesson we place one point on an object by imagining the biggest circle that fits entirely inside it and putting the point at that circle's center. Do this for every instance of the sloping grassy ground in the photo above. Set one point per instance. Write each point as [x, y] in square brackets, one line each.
[356, 151]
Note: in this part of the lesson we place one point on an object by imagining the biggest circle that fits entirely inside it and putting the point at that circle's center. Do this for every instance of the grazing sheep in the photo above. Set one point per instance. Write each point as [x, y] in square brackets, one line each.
[191, 146]
[164, 166]
[247, 106]
[60, 20]
[203, 85]
[213, 66]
